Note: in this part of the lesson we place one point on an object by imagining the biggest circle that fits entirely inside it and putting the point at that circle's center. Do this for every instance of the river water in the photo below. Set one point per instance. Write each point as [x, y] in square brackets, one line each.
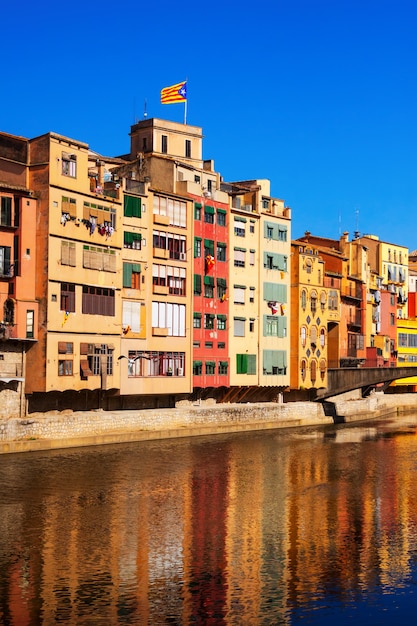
[309, 526]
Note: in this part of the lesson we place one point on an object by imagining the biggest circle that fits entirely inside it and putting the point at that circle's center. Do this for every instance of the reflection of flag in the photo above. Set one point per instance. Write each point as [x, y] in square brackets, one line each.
[66, 316]
[274, 307]
[209, 262]
[176, 93]
[224, 297]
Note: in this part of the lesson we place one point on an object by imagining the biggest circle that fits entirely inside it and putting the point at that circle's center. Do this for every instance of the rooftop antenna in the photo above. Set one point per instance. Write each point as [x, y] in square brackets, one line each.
[145, 113]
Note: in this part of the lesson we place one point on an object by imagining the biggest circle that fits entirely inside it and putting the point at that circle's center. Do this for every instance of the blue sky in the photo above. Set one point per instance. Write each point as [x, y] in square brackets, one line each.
[318, 96]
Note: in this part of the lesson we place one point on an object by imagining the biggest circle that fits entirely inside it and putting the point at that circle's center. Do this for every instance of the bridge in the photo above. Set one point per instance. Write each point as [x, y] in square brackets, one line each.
[346, 379]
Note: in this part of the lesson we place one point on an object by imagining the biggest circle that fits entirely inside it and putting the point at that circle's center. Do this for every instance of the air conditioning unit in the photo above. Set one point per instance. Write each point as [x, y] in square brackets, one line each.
[183, 256]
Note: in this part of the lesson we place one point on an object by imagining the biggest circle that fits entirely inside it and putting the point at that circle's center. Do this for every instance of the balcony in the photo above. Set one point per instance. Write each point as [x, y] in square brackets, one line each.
[161, 290]
[161, 219]
[159, 332]
[161, 253]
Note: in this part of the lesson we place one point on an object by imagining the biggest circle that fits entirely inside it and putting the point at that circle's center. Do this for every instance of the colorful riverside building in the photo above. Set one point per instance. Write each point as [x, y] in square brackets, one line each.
[315, 318]
[78, 265]
[18, 305]
[259, 300]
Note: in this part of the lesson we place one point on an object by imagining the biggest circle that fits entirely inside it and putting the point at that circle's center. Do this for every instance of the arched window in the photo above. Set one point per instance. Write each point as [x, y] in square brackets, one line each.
[322, 369]
[323, 300]
[313, 337]
[303, 369]
[313, 371]
[313, 301]
[303, 299]
[8, 311]
[322, 337]
[303, 335]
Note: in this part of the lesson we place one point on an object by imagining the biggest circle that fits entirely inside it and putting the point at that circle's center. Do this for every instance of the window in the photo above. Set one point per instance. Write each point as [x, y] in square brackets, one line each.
[209, 185]
[210, 368]
[239, 326]
[282, 233]
[221, 288]
[252, 227]
[208, 247]
[133, 241]
[221, 345]
[197, 368]
[208, 215]
[303, 369]
[6, 211]
[246, 363]
[392, 319]
[176, 281]
[303, 299]
[274, 362]
[223, 367]
[313, 371]
[208, 345]
[197, 179]
[131, 275]
[6, 269]
[392, 299]
[269, 232]
[98, 258]
[251, 325]
[188, 148]
[98, 301]
[133, 315]
[69, 164]
[68, 253]
[197, 320]
[175, 209]
[239, 255]
[313, 302]
[303, 336]
[252, 257]
[197, 211]
[239, 226]
[132, 206]
[221, 251]
[333, 300]
[170, 316]
[322, 337]
[209, 321]
[65, 367]
[221, 217]
[252, 294]
[221, 322]
[30, 321]
[164, 144]
[274, 292]
[67, 299]
[98, 359]
[239, 294]
[208, 286]
[197, 247]
[8, 311]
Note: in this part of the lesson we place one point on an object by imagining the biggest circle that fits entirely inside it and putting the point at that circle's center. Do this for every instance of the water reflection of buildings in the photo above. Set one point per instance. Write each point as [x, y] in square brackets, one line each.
[215, 532]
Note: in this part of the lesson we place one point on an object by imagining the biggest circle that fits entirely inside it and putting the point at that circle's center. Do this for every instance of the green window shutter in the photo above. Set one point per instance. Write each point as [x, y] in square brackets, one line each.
[240, 219]
[282, 326]
[209, 246]
[198, 315]
[127, 274]
[136, 267]
[127, 237]
[221, 282]
[274, 292]
[222, 317]
[197, 363]
[197, 283]
[221, 245]
[197, 205]
[241, 363]
[209, 209]
[209, 280]
[132, 206]
[221, 211]
[282, 262]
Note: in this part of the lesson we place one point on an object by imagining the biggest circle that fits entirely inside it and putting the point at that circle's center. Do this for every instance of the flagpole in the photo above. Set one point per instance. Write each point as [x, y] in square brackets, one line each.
[185, 104]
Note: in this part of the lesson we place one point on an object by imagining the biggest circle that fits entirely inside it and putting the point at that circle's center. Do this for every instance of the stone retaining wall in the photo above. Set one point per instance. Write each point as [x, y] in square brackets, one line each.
[68, 429]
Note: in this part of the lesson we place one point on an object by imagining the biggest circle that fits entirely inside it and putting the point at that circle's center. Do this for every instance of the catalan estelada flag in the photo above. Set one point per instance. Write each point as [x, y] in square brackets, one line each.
[176, 93]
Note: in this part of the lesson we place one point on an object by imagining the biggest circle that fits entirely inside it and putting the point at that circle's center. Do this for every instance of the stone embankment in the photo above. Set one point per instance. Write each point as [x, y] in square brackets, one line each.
[53, 430]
